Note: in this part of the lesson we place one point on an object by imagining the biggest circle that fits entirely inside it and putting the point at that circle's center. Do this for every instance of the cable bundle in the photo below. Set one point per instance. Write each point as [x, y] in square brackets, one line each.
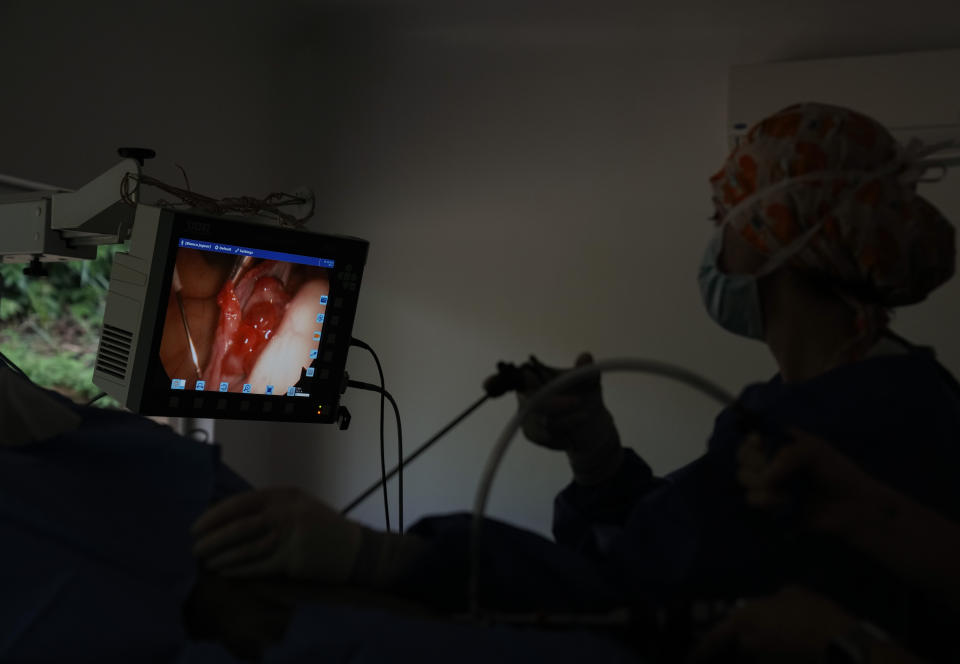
[269, 206]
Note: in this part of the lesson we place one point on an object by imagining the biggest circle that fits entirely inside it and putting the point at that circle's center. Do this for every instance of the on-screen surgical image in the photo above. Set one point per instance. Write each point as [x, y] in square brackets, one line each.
[248, 321]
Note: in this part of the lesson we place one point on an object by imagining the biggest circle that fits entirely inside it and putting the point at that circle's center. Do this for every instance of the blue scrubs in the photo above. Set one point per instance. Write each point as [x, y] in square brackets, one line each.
[895, 416]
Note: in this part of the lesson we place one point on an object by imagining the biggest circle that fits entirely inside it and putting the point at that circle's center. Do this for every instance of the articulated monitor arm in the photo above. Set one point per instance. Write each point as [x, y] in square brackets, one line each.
[50, 224]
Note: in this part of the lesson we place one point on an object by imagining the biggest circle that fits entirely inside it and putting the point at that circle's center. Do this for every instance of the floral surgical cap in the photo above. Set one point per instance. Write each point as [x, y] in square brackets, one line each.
[834, 190]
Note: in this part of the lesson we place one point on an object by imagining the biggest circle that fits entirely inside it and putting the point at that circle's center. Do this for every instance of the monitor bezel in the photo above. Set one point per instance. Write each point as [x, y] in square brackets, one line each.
[349, 255]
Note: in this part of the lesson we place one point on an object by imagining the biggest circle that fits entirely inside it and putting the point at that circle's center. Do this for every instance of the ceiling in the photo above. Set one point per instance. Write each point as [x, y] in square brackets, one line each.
[772, 28]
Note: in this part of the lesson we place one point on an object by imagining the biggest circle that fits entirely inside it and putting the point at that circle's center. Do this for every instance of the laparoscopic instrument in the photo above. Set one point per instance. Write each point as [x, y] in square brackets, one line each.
[560, 383]
[178, 294]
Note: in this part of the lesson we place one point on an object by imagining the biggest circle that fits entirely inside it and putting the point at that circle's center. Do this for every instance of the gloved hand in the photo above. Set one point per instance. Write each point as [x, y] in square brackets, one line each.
[575, 421]
[277, 532]
[810, 478]
[793, 626]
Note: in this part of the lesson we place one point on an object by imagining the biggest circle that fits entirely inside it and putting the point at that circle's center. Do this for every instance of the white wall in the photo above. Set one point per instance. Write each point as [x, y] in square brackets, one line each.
[531, 181]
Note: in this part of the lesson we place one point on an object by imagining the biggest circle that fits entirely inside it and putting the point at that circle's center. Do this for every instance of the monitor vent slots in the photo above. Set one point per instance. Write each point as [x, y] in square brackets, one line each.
[114, 353]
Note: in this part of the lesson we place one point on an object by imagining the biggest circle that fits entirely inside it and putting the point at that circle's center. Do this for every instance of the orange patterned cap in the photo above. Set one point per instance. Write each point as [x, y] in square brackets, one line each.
[833, 189]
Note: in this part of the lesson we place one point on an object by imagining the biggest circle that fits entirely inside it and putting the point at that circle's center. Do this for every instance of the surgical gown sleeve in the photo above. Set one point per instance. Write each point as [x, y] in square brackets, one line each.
[690, 533]
[586, 517]
[897, 417]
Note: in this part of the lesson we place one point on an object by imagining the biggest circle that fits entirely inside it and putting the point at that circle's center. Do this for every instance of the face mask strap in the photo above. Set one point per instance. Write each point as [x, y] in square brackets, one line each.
[777, 186]
[919, 158]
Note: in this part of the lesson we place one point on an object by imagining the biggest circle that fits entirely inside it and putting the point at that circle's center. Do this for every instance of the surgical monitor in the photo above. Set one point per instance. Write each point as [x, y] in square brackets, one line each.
[226, 318]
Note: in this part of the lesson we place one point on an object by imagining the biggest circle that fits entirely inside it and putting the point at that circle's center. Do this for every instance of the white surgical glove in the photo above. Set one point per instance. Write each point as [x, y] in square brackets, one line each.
[29, 414]
[287, 532]
[277, 532]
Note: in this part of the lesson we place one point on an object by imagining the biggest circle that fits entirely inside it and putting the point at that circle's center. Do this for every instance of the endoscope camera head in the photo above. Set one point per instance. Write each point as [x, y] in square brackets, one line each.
[509, 377]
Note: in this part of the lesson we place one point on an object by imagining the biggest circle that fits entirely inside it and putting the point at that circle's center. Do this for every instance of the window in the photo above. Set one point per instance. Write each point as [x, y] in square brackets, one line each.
[50, 326]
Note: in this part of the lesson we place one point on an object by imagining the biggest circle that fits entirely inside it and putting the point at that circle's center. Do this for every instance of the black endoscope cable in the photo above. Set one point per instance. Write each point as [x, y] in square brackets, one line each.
[383, 461]
[370, 387]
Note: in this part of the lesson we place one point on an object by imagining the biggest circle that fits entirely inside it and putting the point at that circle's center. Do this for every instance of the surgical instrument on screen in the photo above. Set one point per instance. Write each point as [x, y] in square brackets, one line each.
[240, 266]
[177, 288]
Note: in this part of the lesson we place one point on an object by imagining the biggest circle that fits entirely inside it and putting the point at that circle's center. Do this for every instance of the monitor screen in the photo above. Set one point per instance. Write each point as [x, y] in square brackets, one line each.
[239, 320]
[262, 337]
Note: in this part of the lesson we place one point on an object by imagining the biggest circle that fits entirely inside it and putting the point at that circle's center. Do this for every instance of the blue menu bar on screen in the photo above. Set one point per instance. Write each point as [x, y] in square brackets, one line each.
[234, 250]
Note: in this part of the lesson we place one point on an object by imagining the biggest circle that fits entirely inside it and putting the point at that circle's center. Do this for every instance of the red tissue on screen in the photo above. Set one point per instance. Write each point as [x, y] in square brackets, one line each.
[249, 314]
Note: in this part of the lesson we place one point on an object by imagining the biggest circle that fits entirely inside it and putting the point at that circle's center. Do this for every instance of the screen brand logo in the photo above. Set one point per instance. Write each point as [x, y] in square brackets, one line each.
[198, 226]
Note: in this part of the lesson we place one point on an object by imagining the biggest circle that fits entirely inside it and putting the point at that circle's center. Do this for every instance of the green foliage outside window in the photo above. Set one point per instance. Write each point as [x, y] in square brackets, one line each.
[50, 326]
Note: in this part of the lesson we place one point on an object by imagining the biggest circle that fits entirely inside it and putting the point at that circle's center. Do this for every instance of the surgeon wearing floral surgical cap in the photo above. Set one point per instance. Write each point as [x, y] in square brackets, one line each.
[819, 236]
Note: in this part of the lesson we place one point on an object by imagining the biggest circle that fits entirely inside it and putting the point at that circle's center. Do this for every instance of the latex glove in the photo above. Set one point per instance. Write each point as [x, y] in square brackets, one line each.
[575, 421]
[808, 477]
[791, 627]
[277, 532]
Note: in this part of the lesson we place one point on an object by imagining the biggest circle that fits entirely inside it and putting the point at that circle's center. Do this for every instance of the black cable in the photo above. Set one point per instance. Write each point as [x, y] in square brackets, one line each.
[396, 410]
[96, 399]
[420, 450]
[245, 205]
[383, 460]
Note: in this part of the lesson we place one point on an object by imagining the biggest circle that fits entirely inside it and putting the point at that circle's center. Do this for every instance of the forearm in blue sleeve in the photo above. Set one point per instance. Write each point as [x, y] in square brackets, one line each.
[582, 514]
